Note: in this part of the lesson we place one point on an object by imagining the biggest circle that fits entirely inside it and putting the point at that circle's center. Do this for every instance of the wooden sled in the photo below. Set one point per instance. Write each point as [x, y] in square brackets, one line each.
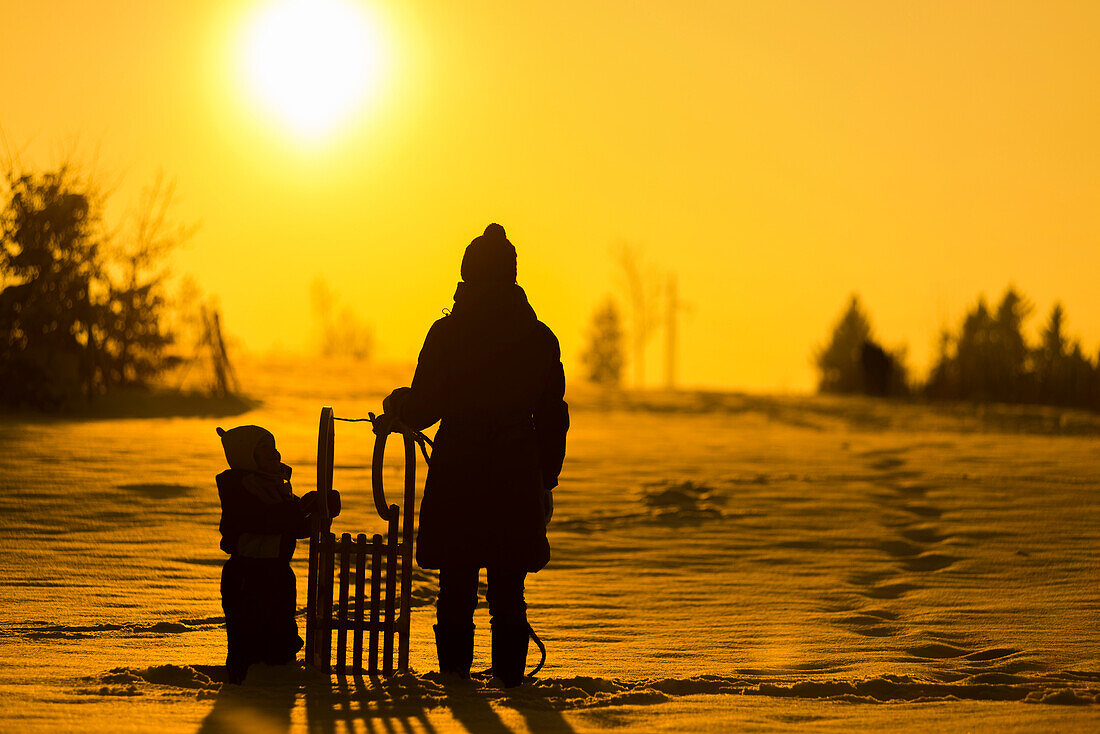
[379, 612]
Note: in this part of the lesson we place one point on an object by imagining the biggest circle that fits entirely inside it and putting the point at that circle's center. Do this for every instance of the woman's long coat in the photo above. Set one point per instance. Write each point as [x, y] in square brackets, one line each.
[492, 373]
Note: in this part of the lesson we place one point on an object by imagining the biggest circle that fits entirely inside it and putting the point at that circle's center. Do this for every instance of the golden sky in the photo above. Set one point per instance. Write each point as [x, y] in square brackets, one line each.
[776, 155]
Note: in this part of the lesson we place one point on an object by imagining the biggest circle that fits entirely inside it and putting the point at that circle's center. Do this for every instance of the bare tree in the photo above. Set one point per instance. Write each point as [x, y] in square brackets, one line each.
[137, 344]
[340, 330]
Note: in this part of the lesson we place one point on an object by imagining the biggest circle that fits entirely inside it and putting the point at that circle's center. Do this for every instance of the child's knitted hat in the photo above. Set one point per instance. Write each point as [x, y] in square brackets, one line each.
[240, 446]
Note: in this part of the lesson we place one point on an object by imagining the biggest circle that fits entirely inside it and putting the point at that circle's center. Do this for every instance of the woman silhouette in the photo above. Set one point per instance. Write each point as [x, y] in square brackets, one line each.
[491, 372]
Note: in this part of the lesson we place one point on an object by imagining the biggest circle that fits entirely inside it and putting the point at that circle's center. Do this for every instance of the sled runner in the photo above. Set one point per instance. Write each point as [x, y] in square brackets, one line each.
[380, 612]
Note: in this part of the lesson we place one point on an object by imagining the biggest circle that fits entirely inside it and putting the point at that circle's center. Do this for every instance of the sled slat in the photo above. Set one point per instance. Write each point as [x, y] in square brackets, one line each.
[360, 568]
[391, 593]
[375, 599]
[342, 613]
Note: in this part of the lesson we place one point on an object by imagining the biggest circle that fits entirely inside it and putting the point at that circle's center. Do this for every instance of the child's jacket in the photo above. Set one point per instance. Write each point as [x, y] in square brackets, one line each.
[261, 517]
[257, 521]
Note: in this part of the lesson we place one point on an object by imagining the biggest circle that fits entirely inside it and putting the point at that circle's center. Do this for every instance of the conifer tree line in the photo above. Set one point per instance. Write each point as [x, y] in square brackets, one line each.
[988, 359]
[82, 307]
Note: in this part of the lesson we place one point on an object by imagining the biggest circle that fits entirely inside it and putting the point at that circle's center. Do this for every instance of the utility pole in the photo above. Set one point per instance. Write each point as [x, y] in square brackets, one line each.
[672, 312]
[642, 300]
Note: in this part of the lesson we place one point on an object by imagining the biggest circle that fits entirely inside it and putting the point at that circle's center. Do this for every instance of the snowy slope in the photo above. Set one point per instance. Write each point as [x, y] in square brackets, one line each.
[718, 561]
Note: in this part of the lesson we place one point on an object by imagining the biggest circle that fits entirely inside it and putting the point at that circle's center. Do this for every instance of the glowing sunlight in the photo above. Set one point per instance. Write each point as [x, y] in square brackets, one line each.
[311, 63]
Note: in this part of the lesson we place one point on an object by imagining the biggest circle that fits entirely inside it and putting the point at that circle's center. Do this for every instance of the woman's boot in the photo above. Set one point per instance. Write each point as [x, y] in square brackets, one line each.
[454, 644]
[510, 653]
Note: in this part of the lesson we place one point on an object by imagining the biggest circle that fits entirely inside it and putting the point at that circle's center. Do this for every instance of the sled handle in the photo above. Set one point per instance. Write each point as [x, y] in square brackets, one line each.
[413, 439]
[385, 510]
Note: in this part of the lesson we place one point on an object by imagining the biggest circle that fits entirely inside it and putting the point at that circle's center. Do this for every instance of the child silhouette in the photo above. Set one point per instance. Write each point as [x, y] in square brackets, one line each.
[261, 519]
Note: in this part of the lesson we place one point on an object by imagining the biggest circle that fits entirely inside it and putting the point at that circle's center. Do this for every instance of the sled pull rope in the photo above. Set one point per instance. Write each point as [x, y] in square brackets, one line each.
[421, 440]
[542, 650]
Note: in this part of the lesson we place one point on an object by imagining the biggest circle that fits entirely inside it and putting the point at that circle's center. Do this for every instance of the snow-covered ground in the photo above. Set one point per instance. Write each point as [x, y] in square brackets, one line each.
[719, 561]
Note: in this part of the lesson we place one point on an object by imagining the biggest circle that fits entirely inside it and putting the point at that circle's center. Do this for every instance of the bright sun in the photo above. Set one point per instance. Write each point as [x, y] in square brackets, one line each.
[311, 62]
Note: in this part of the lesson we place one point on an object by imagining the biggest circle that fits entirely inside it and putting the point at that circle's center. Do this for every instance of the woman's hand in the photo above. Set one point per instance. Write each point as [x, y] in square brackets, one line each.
[391, 411]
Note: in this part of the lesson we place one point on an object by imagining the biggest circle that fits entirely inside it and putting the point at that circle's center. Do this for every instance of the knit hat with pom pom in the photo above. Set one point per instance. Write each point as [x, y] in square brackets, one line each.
[490, 259]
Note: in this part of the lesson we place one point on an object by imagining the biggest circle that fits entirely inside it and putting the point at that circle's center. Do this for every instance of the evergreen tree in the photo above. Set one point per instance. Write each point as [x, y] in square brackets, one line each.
[990, 360]
[1064, 375]
[1010, 353]
[1050, 359]
[853, 362]
[839, 361]
[604, 355]
[50, 318]
[974, 354]
[1080, 375]
[78, 315]
[943, 380]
